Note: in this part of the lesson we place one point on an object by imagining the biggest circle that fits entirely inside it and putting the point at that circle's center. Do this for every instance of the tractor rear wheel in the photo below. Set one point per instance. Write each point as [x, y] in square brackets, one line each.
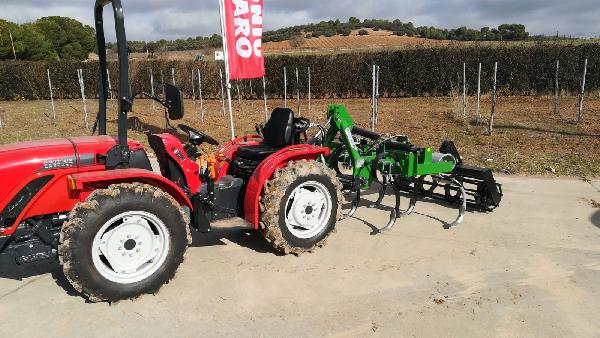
[300, 206]
[123, 242]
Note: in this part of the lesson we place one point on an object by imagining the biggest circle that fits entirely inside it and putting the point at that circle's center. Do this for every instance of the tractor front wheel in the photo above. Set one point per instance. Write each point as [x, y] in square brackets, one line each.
[300, 206]
[123, 242]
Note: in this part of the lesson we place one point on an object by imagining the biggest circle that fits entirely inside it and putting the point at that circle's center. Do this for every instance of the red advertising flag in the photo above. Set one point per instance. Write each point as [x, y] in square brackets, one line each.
[243, 21]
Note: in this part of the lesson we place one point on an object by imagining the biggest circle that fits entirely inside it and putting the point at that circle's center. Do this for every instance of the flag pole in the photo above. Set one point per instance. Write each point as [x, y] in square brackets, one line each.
[226, 57]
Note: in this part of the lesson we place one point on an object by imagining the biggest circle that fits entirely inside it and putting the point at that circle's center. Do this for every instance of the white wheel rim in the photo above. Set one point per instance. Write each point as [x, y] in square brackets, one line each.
[308, 210]
[130, 247]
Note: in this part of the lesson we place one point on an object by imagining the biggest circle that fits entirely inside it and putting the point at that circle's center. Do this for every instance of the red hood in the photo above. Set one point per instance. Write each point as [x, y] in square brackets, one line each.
[21, 160]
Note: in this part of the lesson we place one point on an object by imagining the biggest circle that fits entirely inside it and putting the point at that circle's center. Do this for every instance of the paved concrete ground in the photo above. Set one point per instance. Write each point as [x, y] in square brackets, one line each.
[531, 268]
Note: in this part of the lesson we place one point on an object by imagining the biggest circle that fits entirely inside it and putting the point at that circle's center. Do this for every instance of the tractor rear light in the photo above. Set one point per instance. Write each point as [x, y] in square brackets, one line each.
[72, 183]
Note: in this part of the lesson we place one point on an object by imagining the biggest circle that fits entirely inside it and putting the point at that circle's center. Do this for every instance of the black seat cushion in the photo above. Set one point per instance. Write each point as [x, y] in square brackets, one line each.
[257, 153]
[278, 132]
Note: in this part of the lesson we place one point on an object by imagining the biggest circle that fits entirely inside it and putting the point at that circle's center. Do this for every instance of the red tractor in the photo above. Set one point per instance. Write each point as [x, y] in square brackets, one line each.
[119, 229]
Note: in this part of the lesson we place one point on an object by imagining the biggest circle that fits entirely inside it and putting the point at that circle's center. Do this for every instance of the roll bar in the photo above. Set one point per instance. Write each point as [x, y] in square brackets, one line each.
[121, 152]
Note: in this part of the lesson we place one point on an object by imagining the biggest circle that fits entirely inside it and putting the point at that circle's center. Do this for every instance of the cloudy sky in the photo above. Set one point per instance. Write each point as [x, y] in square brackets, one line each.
[169, 19]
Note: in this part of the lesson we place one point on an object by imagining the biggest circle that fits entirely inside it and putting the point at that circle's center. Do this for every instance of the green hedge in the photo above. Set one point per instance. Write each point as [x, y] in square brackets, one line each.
[525, 70]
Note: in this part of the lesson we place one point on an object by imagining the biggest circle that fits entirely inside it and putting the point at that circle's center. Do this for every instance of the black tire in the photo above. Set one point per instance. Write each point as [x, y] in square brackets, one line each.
[275, 197]
[87, 218]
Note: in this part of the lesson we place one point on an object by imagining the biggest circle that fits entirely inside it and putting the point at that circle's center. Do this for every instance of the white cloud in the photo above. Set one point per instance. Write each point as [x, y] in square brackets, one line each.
[156, 19]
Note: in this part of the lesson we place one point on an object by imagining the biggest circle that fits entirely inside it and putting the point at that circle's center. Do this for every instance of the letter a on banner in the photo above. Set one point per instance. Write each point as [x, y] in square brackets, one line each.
[243, 21]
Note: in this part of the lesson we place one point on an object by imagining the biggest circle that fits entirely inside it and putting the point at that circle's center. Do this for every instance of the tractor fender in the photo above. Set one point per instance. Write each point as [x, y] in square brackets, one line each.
[266, 169]
[83, 184]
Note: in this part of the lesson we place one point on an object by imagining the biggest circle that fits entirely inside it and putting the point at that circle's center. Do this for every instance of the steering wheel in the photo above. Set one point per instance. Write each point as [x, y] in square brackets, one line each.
[301, 125]
[197, 137]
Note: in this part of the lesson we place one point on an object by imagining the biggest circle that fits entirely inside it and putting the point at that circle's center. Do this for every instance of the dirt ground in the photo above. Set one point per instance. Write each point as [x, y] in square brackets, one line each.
[528, 138]
[531, 268]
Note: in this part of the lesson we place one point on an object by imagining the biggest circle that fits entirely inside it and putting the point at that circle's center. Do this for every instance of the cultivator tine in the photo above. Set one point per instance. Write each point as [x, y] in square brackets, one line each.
[394, 214]
[382, 192]
[396, 211]
[463, 205]
[355, 203]
[411, 206]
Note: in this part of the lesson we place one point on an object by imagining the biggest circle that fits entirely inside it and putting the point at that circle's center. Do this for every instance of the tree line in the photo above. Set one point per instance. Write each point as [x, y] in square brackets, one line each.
[62, 38]
[48, 38]
[504, 32]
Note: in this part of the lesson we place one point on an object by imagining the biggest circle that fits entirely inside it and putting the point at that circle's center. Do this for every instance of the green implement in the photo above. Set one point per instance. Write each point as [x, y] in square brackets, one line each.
[361, 157]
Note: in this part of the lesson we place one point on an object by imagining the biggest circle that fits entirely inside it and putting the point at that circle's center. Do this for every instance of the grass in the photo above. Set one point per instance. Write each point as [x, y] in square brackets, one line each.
[528, 138]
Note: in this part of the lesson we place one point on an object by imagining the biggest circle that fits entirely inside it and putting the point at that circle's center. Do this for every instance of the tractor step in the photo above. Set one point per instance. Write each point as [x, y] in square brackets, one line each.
[235, 223]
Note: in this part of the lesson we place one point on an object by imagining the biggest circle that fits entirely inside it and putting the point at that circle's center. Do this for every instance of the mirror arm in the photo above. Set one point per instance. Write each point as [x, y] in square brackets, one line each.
[165, 103]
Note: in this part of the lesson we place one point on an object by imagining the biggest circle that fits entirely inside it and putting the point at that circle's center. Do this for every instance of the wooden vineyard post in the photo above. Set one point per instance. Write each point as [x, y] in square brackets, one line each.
[152, 91]
[464, 103]
[491, 125]
[51, 98]
[373, 100]
[309, 108]
[478, 113]
[285, 87]
[222, 92]
[298, 91]
[200, 95]
[162, 82]
[556, 88]
[251, 95]
[580, 117]
[264, 81]
[173, 76]
[109, 85]
[377, 96]
[82, 87]
[193, 88]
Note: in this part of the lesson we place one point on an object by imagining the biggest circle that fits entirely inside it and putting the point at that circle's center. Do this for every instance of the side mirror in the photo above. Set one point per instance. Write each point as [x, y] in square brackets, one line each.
[174, 99]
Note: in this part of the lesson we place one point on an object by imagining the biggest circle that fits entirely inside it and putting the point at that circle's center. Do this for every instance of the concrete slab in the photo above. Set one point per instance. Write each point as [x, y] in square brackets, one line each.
[530, 268]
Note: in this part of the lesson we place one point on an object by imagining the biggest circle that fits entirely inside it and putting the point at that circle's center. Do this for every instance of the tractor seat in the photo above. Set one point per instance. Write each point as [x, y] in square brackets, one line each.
[257, 153]
[278, 133]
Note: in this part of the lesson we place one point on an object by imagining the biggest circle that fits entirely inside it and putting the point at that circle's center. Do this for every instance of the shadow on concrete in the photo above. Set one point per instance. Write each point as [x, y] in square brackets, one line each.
[405, 197]
[10, 270]
[596, 218]
[243, 237]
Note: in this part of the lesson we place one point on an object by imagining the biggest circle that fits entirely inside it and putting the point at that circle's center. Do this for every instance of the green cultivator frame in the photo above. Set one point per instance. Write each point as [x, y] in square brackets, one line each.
[361, 157]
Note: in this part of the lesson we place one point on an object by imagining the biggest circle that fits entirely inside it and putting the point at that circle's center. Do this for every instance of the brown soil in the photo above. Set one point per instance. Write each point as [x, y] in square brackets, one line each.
[380, 39]
[528, 138]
